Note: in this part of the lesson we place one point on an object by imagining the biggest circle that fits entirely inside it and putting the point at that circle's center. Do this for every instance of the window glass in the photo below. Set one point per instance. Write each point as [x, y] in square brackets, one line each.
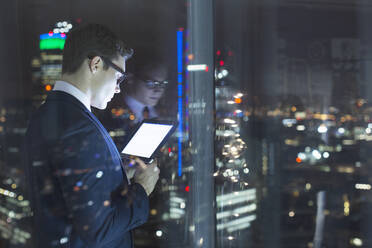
[292, 123]
[272, 98]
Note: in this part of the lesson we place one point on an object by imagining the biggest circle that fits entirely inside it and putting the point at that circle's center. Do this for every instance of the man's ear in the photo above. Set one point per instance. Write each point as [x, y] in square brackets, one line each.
[95, 63]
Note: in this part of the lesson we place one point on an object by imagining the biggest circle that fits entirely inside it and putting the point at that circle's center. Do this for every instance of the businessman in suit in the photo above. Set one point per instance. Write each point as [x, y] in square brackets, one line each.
[80, 193]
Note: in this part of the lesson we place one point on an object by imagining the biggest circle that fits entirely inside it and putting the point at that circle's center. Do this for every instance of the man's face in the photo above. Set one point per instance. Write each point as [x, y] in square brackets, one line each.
[105, 83]
[150, 96]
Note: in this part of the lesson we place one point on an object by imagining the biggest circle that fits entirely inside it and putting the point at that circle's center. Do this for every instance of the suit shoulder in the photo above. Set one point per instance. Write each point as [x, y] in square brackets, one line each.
[56, 118]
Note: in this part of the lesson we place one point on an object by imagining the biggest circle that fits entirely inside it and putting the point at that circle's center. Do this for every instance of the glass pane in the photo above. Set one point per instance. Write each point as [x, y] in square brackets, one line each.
[36, 33]
[290, 107]
[293, 123]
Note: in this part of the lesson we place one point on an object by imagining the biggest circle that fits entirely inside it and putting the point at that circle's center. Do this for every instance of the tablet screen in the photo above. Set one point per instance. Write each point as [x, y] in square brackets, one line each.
[147, 138]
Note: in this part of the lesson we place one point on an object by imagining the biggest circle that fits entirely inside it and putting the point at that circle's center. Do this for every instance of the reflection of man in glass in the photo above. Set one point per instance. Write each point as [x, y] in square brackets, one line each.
[140, 95]
[80, 194]
[145, 89]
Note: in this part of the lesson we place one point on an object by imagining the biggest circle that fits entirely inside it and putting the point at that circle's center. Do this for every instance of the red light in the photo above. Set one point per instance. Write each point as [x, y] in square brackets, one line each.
[50, 33]
[218, 53]
[169, 150]
[222, 62]
[63, 35]
[298, 160]
[187, 188]
[206, 68]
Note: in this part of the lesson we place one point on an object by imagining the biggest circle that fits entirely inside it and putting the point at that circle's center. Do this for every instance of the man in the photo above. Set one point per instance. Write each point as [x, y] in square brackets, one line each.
[138, 100]
[80, 194]
[145, 89]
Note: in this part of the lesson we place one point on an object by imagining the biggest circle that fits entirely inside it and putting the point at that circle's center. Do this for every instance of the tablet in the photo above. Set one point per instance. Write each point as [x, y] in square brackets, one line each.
[148, 138]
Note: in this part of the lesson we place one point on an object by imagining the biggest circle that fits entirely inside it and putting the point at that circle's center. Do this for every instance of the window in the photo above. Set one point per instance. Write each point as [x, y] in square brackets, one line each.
[272, 99]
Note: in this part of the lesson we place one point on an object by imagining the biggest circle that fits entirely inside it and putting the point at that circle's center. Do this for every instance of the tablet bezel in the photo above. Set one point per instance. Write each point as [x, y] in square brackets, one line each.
[161, 144]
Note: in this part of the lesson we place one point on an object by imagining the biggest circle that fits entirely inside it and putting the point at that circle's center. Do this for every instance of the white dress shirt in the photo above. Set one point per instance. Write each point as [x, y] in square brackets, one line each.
[72, 90]
[137, 108]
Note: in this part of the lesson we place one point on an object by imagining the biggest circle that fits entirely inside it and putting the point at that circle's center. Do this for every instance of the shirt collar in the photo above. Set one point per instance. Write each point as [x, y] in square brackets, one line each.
[137, 107]
[72, 90]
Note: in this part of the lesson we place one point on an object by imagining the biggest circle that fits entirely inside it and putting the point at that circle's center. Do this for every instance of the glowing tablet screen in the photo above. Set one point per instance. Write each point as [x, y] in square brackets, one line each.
[147, 138]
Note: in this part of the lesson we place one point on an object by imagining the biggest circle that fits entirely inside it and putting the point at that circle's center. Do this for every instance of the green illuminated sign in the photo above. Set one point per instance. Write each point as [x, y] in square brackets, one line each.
[50, 44]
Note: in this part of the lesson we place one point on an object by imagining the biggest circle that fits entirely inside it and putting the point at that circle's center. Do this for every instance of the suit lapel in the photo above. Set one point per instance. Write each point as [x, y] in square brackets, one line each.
[63, 96]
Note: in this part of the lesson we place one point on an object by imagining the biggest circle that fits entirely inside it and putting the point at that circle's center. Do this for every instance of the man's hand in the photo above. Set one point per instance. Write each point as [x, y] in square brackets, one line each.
[146, 175]
[130, 169]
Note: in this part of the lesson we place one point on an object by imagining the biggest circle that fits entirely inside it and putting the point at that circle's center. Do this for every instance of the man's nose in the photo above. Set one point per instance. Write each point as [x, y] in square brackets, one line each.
[158, 89]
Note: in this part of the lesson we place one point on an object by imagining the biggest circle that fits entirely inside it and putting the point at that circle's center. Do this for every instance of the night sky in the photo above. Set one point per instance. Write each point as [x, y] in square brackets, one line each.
[140, 23]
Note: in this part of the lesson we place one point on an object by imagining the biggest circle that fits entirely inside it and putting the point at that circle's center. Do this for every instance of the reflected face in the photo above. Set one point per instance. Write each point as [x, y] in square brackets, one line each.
[105, 86]
[146, 94]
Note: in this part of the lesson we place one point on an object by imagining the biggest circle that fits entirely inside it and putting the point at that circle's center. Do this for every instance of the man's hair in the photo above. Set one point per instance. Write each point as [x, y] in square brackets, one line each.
[88, 41]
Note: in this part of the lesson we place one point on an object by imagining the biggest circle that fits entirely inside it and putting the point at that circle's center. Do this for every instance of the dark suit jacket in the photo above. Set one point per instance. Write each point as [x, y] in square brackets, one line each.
[79, 191]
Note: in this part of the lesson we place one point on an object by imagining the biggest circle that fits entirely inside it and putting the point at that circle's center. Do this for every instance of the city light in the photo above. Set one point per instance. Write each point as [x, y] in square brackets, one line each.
[159, 233]
[326, 155]
[51, 36]
[153, 212]
[300, 128]
[99, 174]
[301, 155]
[316, 154]
[63, 240]
[237, 224]
[356, 242]
[245, 195]
[180, 81]
[346, 206]
[289, 122]
[50, 44]
[363, 186]
[238, 100]
[229, 121]
[238, 211]
[322, 128]
[200, 67]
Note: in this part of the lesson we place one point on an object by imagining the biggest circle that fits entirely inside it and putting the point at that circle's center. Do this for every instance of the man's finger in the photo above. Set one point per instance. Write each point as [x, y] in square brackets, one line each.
[140, 163]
